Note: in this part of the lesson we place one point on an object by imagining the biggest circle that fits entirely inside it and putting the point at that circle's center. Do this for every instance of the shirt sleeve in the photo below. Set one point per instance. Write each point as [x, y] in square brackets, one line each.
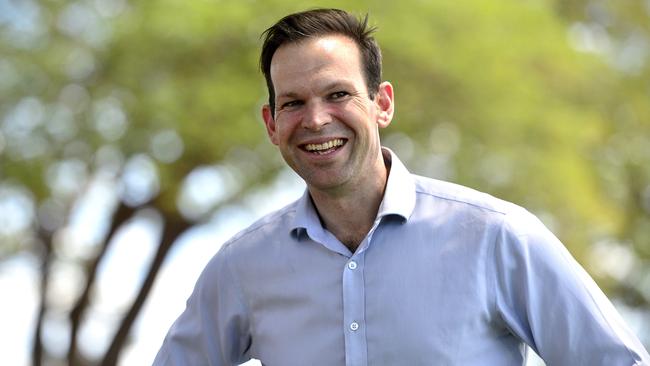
[214, 328]
[545, 298]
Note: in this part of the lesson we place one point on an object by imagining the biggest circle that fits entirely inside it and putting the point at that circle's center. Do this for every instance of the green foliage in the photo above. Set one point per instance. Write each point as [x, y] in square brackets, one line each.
[493, 95]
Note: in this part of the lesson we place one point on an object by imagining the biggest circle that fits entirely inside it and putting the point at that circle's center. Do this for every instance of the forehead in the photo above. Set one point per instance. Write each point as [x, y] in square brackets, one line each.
[332, 56]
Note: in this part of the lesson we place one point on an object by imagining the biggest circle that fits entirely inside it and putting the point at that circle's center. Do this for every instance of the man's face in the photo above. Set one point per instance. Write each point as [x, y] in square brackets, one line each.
[325, 124]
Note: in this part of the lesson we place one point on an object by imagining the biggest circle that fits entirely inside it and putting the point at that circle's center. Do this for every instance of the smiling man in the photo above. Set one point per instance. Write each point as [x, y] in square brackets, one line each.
[325, 123]
[374, 265]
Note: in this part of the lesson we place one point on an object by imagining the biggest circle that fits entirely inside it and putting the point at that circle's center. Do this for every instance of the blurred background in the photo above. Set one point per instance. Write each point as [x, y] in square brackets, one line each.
[131, 146]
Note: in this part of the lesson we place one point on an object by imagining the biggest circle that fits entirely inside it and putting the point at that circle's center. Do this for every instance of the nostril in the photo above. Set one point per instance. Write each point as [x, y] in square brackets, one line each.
[315, 125]
[315, 116]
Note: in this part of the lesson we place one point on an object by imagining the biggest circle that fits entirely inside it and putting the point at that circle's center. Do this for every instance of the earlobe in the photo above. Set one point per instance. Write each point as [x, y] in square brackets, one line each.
[269, 122]
[385, 103]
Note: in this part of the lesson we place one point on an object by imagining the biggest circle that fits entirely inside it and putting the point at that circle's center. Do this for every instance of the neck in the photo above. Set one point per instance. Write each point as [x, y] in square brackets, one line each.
[350, 215]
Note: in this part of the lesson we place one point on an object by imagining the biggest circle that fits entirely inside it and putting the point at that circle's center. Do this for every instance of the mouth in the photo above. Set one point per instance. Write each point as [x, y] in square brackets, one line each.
[324, 148]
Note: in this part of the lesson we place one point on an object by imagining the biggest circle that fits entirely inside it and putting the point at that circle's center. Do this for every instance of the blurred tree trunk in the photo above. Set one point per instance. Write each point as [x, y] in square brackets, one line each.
[175, 227]
[121, 216]
[37, 345]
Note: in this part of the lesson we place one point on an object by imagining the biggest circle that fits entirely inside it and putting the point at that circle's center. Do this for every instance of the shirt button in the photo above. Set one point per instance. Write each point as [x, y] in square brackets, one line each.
[354, 326]
[352, 265]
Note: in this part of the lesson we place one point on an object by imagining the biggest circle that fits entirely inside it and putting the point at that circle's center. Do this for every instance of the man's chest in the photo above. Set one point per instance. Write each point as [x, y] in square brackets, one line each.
[390, 305]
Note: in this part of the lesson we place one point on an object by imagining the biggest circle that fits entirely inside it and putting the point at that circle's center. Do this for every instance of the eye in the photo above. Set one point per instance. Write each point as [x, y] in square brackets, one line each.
[339, 95]
[291, 103]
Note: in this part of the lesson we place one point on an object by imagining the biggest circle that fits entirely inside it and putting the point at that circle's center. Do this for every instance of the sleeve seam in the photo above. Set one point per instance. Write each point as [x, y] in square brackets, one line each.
[492, 272]
[580, 276]
[241, 297]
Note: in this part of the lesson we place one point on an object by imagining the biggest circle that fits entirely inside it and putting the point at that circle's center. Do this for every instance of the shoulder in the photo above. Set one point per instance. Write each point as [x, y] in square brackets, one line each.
[253, 243]
[273, 225]
[457, 201]
[463, 197]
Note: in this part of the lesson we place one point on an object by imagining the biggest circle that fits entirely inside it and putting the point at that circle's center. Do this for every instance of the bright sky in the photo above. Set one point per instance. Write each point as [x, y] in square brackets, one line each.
[120, 276]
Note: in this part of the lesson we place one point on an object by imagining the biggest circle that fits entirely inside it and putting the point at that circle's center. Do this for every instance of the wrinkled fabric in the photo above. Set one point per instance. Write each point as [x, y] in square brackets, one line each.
[446, 276]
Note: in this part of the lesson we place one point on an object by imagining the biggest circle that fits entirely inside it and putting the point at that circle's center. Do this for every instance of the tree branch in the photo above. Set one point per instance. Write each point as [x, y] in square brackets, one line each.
[171, 232]
[121, 215]
[37, 345]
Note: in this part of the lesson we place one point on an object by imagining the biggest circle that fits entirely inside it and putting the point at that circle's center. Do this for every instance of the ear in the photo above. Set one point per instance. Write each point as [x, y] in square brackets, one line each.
[385, 104]
[269, 122]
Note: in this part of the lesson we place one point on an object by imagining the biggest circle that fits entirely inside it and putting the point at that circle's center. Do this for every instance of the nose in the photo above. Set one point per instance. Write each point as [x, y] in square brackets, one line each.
[316, 116]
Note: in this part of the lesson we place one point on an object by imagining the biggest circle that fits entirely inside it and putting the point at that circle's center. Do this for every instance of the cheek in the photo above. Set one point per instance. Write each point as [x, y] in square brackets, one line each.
[361, 107]
[284, 130]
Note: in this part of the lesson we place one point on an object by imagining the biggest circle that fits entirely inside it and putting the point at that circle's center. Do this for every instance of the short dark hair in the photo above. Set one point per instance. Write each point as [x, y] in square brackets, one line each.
[321, 22]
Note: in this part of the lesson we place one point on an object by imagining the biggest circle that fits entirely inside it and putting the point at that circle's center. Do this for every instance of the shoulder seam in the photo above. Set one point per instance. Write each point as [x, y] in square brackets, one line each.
[259, 225]
[447, 198]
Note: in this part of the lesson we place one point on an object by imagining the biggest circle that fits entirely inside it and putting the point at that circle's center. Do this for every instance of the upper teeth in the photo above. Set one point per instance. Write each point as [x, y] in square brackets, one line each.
[324, 146]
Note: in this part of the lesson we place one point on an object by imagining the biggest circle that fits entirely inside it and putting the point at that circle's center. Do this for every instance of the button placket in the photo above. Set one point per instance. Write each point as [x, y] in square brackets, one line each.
[354, 310]
[354, 306]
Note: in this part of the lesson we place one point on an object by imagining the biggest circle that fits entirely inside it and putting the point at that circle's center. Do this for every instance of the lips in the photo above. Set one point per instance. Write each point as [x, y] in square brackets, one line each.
[324, 147]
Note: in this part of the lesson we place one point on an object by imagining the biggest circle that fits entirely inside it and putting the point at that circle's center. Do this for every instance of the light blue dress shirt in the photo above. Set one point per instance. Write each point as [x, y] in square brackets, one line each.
[446, 276]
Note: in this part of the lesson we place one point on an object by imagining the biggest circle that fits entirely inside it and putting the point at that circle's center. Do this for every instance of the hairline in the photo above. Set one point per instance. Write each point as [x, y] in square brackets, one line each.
[313, 37]
[286, 31]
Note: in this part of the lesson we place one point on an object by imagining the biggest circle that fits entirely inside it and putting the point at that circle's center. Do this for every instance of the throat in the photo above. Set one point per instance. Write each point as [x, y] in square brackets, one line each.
[350, 233]
[351, 242]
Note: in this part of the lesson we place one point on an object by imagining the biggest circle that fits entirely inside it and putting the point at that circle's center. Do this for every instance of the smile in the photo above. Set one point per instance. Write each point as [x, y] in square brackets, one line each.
[325, 147]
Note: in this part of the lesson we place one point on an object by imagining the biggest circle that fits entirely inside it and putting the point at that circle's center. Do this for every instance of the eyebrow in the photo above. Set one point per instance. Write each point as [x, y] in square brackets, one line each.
[328, 87]
[287, 95]
[337, 85]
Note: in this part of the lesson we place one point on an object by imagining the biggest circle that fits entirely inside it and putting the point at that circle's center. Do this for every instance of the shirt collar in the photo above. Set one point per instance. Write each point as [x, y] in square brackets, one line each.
[306, 216]
[399, 197]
